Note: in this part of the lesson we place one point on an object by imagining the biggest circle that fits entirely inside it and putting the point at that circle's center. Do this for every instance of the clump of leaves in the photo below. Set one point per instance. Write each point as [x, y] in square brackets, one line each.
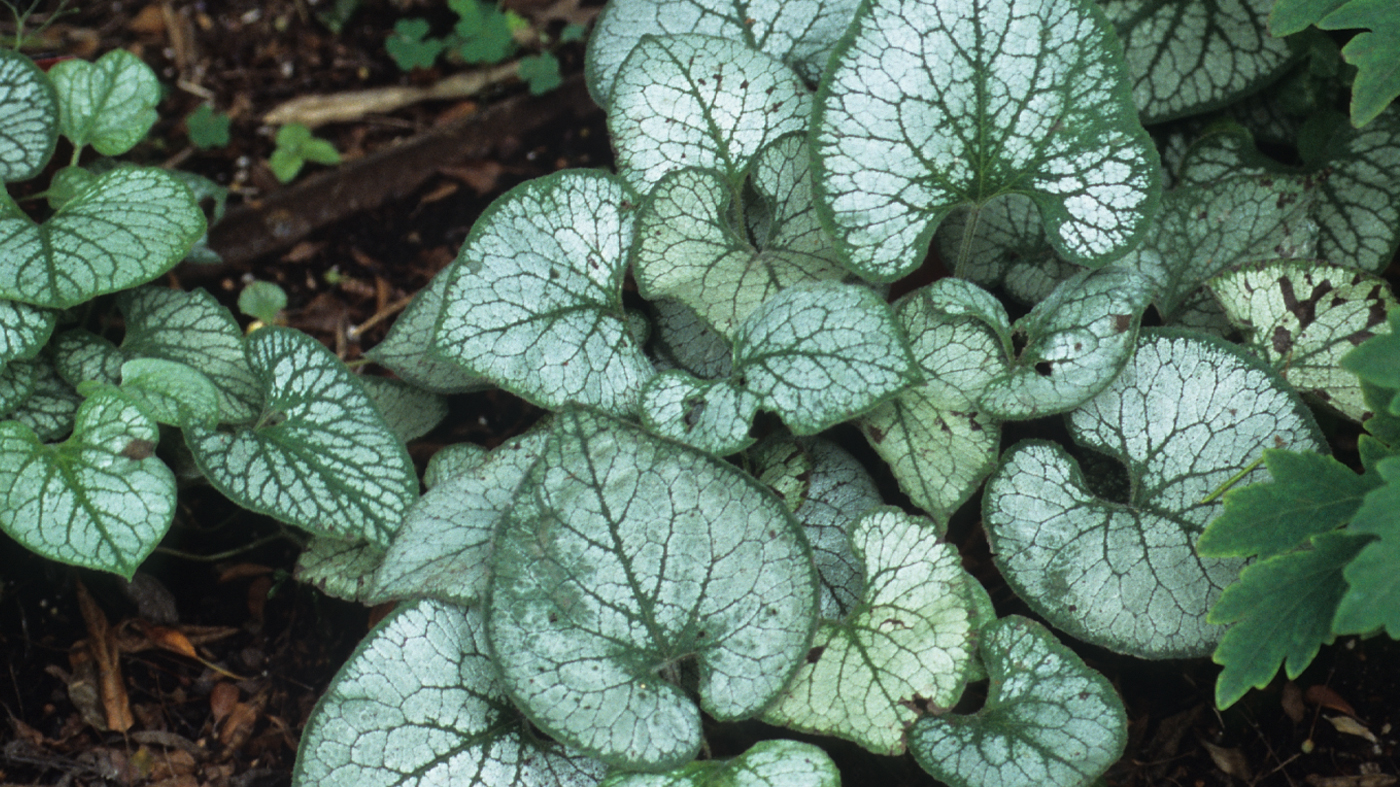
[483, 34]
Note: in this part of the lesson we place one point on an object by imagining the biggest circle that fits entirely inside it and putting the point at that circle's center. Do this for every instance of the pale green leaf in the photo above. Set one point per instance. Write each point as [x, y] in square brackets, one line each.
[17, 381]
[51, 404]
[1302, 318]
[410, 412]
[711, 415]
[908, 643]
[23, 330]
[28, 117]
[98, 500]
[407, 349]
[534, 301]
[685, 341]
[80, 355]
[628, 562]
[688, 248]
[194, 329]
[339, 568]
[109, 104]
[784, 466]
[1186, 415]
[174, 393]
[929, 106]
[800, 33]
[700, 101]
[1076, 340]
[453, 460]
[319, 456]
[443, 549]
[1190, 57]
[131, 225]
[773, 763]
[419, 704]
[1048, 720]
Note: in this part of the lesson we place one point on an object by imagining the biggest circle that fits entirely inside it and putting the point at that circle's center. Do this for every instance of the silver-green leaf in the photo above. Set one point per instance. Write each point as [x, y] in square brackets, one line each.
[773, 763]
[28, 117]
[109, 104]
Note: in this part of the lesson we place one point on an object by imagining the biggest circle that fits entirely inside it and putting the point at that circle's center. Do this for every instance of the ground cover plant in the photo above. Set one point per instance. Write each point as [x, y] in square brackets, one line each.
[576, 603]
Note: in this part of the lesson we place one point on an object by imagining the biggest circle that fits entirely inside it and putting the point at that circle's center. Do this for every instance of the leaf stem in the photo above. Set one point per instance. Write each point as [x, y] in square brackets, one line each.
[1234, 479]
[230, 552]
[965, 243]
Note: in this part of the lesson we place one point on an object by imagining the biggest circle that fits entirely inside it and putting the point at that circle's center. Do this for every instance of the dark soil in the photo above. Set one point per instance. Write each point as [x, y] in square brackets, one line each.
[350, 244]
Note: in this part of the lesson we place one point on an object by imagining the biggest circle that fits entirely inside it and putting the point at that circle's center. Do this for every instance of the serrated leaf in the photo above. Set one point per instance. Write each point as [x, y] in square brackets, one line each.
[1048, 719]
[1372, 600]
[688, 249]
[1302, 318]
[627, 562]
[443, 549]
[700, 101]
[907, 644]
[28, 117]
[774, 763]
[534, 301]
[1187, 59]
[339, 568]
[927, 107]
[419, 704]
[1076, 341]
[131, 225]
[409, 412]
[194, 329]
[407, 349]
[1280, 610]
[800, 33]
[99, 500]
[319, 456]
[172, 392]
[1186, 414]
[51, 404]
[936, 440]
[1309, 494]
[109, 104]
[1372, 52]
[80, 355]
[816, 354]
[1291, 16]
[1377, 360]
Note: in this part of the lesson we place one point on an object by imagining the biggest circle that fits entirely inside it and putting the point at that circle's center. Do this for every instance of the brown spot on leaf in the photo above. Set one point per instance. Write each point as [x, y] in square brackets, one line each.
[1122, 322]
[815, 654]
[876, 433]
[1282, 340]
[139, 449]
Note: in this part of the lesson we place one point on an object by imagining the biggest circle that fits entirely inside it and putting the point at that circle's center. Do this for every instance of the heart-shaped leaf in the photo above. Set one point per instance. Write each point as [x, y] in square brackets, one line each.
[766, 764]
[700, 101]
[131, 225]
[17, 382]
[28, 117]
[534, 301]
[628, 564]
[419, 703]
[909, 642]
[929, 106]
[1186, 415]
[23, 330]
[1187, 61]
[1301, 318]
[80, 355]
[407, 349]
[409, 412]
[1048, 719]
[800, 33]
[319, 456]
[340, 568]
[687, 342]
[172, 392]
[100, 499]
[109, 104]
[51, 404]
[688, 249]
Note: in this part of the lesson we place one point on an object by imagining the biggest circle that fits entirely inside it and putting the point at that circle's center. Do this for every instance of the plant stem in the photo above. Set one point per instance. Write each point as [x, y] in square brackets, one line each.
[1234, 479]
[965, 243]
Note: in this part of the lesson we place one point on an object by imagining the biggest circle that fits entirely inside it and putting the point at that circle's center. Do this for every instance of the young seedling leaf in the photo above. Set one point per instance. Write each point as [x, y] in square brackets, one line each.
[1049, 719]
[935, 438]
[131, 225]
[1186, 415]
[1309, 494]
[172, 392]
[28, 117]
[101, 499]
[773, 763]
[319, 456]
[534, 301]
[1185, 61]
[51, 404]
[907, 645]
[800, 33]
[928, 106]
[1280, 610]
[700, 101]
[1372, 600]
[443, 549]
[688, 248]
[627, 563]
[815, 354]
[194, 329]
[339, 568]
[109, 104]
[1302, 318]
[419, 703]
[1076, 341]
[409, 412]
[407, 349]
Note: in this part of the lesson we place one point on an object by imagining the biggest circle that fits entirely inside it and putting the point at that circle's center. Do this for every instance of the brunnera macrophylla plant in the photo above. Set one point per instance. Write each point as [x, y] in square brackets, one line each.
[577, 602]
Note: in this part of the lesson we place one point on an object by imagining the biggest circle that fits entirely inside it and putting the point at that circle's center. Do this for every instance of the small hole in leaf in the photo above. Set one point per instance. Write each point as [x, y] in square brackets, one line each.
[1043, 368]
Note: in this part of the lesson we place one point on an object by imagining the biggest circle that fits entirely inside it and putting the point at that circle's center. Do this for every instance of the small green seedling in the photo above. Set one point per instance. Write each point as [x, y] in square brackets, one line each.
[263, 301]
[296, 146]
[207, 127]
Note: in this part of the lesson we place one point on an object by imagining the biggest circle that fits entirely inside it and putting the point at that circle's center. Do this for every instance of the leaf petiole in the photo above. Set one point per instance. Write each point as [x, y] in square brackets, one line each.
[1231, 481]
